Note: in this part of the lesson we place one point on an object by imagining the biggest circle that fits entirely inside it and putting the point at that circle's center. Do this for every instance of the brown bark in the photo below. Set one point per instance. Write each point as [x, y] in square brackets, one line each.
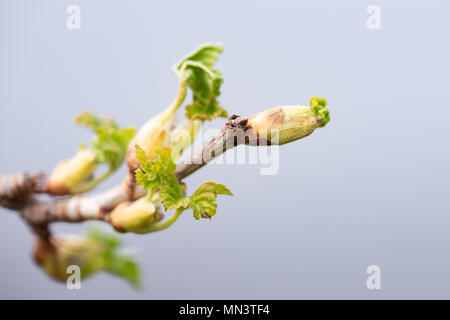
[18, 191]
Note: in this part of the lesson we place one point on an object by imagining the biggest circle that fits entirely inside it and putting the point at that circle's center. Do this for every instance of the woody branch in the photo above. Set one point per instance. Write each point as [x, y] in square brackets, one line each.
[20, 191]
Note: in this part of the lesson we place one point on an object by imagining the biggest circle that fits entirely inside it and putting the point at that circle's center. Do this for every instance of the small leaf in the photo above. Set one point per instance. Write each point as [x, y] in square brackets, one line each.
[124, 266]
[319, 109]
[110, 144]
[107, 240]
[209, 112]
[208, 53]
[110, 148]
[203, 82]
[173, 199]
[143, 179]
[96, 124]
[159, 174]
[110, 258]
[142, 158]
[203, 200]
[195, 70]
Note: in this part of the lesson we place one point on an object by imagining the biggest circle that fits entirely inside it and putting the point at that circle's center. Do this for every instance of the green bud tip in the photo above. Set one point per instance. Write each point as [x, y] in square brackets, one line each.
[319, 109]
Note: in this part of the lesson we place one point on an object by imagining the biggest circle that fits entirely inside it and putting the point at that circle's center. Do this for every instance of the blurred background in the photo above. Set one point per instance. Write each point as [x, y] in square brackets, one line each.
[369, 188]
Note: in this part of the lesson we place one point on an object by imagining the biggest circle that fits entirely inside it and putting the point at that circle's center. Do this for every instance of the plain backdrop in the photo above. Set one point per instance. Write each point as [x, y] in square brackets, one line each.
[372, 187]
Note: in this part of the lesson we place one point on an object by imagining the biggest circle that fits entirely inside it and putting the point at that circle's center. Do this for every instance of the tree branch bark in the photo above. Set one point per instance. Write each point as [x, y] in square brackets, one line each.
[18, 191]
[233, 134]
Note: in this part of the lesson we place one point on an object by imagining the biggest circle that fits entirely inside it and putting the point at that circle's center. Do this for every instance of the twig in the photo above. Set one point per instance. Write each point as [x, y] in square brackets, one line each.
[16, 189]
[18, 192]
[234, 133]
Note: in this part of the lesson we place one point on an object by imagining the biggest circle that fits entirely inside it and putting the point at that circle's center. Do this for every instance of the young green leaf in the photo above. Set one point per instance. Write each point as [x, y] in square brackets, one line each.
[173, 198]
[107, 240]
[159, 174]
[205, 111]
[195, 70]
[95, 252]
[110, 144]
[112, 260]
[203, 200]
[96, 124]
[319, 109]
[207, 53]
[111, 148]
[124, 266]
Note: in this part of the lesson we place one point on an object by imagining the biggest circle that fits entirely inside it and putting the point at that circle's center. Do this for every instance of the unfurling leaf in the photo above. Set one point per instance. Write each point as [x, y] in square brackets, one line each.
[195, 70]
[159, 174]
[207, 53]
[95, 252]
[96, 124]
[203, 200]
[109, 147]
[110, 144]
[113, 261]
[319, 109]
[205, 111]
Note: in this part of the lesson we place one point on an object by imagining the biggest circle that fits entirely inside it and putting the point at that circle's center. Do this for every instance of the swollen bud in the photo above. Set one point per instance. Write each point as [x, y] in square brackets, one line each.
[282, 125]
[183, 136]
[72, 176]
[152, 136]
[57, 256]
[136, 217]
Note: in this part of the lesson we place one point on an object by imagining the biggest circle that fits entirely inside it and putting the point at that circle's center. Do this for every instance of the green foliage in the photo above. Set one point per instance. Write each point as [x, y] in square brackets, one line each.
[159, 174]
[195, 70]
[110, 258]
[207, 53]
[96, 124]
[124, 266]
[205, 110]
[203, 200]
[100, 251]
[319, 109]
[111, 142]
[107, 240]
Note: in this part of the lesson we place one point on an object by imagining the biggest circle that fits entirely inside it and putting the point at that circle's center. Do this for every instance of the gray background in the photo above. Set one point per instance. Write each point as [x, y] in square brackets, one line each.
[370, 188]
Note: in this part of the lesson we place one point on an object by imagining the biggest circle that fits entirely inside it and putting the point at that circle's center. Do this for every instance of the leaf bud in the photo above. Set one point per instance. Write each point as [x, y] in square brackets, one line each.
[136, 217]
[72, 176]
[285, 124]
[152, 136]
